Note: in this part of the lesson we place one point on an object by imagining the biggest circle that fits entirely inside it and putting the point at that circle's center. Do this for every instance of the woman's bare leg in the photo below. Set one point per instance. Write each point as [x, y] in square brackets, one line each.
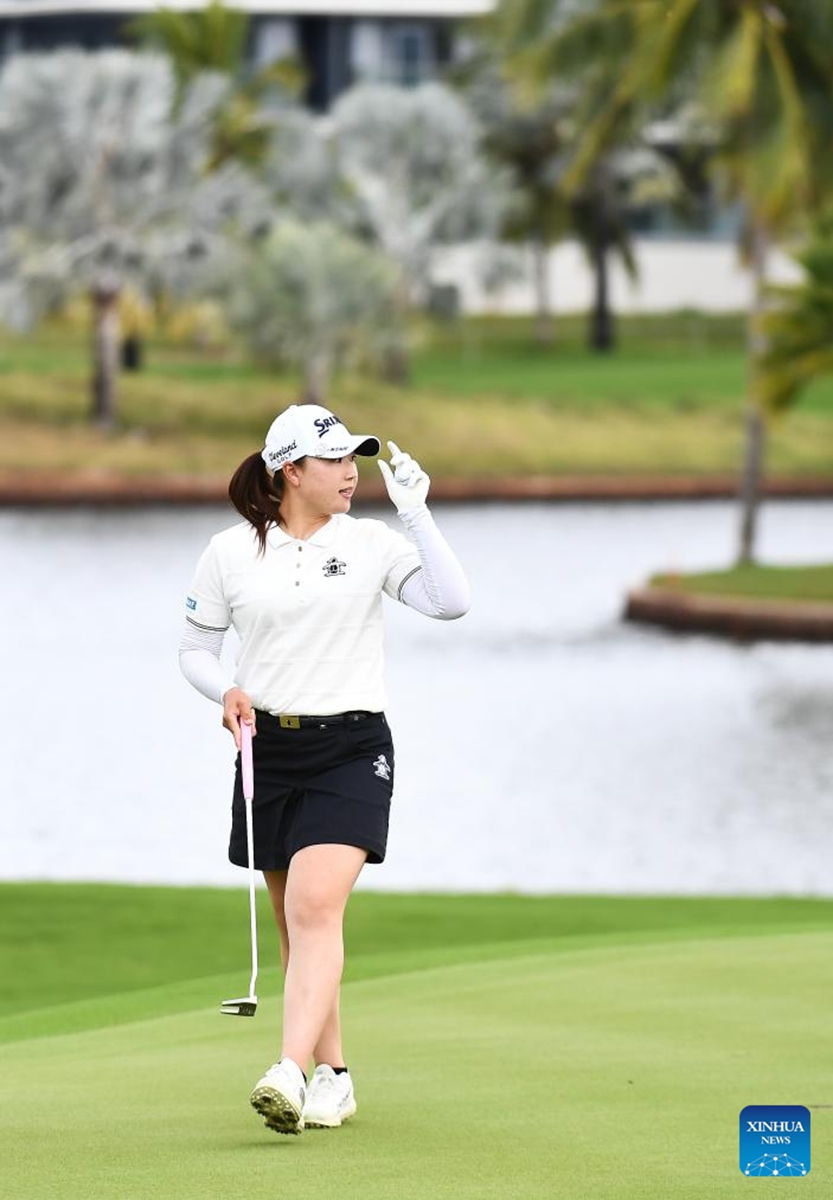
[309, 902]
[276, 883]
[328, 1048]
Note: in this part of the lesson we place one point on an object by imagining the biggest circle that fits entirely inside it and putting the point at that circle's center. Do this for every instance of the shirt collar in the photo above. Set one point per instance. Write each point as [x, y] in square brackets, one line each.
[322, 537]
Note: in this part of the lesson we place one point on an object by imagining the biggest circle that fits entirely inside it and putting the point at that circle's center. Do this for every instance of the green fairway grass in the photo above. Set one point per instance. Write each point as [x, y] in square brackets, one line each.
[502, 1046]
[804, 584]
[483, 397]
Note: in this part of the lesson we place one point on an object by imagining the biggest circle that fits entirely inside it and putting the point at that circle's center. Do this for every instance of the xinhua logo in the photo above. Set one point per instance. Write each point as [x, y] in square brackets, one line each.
[775, 1139]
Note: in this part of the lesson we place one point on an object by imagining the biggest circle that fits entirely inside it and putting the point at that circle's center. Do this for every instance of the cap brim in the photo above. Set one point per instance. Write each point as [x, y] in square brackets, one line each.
[360, 444]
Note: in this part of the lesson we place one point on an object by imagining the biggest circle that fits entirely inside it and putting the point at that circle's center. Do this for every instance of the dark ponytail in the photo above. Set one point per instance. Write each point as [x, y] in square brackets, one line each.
[257, 495]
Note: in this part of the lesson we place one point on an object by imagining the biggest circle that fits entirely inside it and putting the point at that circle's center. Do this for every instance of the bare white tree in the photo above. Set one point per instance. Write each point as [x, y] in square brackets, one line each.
[312, 297]
[413, 160]
[103, 184]
[302, 172]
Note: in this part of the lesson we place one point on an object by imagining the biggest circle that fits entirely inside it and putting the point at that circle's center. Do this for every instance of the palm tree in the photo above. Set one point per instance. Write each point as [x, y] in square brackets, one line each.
[544, 48]
[211, 38]
[214, 38]
[758, 75]
[798, 326]
[530, 139]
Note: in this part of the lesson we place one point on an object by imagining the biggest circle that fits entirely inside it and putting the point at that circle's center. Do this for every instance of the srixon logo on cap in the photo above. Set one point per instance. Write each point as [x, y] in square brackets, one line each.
[322, 424]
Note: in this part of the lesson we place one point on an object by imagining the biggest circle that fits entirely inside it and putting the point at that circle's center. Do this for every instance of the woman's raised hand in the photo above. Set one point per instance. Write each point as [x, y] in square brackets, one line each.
[407, 483]
[237, 707]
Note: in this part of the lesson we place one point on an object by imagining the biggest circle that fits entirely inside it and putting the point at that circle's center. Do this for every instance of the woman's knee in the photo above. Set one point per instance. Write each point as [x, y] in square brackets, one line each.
[318, 885]
[314, 906]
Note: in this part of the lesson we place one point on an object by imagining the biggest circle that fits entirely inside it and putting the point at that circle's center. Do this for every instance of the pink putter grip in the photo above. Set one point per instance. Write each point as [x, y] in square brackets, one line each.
[246, 760]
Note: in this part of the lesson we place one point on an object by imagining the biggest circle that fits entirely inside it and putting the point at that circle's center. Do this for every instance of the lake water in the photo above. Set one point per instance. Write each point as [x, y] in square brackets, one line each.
[542, 744]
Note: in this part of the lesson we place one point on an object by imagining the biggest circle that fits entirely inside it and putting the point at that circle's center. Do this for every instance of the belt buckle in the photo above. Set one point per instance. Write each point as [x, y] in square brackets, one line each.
[289, 721]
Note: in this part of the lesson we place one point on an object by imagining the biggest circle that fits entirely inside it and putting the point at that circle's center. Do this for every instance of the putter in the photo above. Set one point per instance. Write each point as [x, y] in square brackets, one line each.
[246, 1006]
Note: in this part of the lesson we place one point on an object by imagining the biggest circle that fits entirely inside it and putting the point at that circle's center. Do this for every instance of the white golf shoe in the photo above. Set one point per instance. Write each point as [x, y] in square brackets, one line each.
[279, 1097]
[330, 1098]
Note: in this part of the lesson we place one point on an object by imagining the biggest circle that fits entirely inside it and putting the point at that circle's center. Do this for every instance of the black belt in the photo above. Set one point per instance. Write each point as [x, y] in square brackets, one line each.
[293, 721]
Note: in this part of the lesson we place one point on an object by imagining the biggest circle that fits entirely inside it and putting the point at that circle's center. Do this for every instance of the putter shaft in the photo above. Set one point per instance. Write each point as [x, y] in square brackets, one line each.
[246, 1006]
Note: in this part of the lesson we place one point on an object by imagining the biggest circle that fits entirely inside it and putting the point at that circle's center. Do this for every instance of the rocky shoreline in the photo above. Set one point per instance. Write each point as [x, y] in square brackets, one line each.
[731, 616]
[25, 488]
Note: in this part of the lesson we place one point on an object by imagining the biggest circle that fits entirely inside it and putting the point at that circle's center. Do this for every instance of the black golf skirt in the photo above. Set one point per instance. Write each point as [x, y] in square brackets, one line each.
[330, 780]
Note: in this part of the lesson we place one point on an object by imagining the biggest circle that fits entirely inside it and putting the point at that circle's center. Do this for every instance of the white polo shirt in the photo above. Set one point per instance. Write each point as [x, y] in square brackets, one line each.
[308, 613]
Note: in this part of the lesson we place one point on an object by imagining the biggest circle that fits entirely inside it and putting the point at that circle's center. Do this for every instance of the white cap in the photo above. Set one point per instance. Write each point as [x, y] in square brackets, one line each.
[309, 429]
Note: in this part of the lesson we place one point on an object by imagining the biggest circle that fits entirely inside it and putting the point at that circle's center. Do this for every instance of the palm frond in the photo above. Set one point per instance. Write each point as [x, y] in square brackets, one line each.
[663, 34]
[797, 326]
[731, 82]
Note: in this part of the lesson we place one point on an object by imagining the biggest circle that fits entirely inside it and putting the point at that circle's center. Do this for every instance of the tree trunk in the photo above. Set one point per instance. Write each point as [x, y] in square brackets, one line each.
[602, 334]
[601, 323]
[755, 444]
[544, 321]
[316, 379]
[396, 365]
[132, 353]
[106, 348]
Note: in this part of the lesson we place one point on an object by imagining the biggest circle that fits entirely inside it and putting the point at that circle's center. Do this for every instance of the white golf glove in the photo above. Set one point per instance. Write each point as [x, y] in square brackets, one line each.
[407, 483]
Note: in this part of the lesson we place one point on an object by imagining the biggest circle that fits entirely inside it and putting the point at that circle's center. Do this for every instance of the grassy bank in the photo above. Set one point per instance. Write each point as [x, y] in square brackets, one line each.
[482, 398]
[503, 1047]
[803, 584]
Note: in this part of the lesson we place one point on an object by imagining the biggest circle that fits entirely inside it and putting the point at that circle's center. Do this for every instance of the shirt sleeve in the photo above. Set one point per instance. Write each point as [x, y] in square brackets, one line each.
[401, 562]
[431, 579]
[205, 604]
[199, 661]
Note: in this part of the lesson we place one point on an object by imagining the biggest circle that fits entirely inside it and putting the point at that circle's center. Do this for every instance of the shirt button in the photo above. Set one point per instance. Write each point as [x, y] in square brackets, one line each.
[300, 548]
[297, 583]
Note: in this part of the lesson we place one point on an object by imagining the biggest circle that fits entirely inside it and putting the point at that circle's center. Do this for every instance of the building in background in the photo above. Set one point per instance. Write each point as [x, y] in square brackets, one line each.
[338, 42]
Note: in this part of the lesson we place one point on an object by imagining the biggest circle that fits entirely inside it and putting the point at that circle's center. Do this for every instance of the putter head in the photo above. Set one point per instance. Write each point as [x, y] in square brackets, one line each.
[245, 1006]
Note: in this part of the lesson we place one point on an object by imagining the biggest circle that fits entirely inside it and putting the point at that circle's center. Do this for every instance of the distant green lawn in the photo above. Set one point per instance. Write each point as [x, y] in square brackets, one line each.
[808, 584]
[483, 398]
[503, 1047]
[681, 362]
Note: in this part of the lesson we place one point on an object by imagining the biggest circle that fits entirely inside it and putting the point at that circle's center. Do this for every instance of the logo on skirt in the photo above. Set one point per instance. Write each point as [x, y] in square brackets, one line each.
[382, 767]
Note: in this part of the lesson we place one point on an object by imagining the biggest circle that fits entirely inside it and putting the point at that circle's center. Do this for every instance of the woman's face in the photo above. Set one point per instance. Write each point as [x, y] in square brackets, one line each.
[327, 485]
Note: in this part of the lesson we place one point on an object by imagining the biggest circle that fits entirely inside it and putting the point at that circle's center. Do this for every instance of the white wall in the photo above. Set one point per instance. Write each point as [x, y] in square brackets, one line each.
[275, 38]
[349, 8]
[672, 275]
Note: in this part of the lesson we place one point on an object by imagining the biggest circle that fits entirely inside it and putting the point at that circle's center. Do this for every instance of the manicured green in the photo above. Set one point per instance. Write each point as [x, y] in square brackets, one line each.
[807, 584]
[483, 398]
[503, 1046]
[52, 934]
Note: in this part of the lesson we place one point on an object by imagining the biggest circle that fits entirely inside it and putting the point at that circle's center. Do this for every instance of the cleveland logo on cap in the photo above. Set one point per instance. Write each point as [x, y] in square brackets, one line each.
[281, 452]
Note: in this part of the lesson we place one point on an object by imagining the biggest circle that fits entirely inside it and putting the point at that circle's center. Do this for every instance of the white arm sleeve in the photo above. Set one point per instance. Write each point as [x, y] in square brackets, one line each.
[199, 661]
[438, 588]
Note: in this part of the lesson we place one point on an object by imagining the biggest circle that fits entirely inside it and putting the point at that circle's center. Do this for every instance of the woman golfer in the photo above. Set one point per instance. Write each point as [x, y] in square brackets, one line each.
[302, 583]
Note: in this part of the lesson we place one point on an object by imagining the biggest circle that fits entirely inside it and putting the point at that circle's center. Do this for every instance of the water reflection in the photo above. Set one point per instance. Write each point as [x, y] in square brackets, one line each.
[542, 745]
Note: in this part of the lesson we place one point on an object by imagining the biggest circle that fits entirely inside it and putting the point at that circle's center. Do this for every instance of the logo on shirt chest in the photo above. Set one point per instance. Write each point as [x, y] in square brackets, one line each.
[334, 567]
